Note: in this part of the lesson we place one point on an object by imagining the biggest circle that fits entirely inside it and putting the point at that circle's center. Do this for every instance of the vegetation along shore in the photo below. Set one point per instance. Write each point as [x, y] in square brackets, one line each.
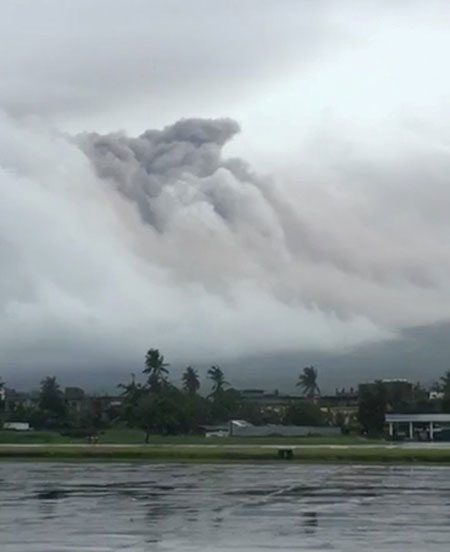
[225, 453]
[155, 420]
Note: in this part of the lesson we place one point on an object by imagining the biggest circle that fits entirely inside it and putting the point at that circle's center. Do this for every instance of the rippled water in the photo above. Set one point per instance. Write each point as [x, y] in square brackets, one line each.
[106, 507]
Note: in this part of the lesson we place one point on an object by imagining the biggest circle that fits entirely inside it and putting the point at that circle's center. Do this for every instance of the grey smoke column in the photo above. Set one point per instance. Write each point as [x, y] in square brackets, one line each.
[142, 167]
[212, 221]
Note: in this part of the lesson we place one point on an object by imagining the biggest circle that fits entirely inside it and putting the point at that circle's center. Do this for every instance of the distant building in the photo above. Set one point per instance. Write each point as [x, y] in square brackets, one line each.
[342, 407]
[397, 390]
[75, 399]
[436, 395]
[252, 394]
[218, 430]
[419, 426]
[342, 397]
[18, 399]
[106, 407]
[242, 428]
[271, 404]
[264, 398]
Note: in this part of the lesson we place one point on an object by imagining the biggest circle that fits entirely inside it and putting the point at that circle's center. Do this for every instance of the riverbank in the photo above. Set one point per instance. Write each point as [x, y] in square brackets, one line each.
[137, 437]
[224, 453]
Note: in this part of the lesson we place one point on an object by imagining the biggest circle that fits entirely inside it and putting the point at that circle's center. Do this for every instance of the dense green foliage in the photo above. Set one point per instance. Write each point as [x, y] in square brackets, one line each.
[372, 408]
[155, 406]
[305, 413]
[52, 410]
[159, 407]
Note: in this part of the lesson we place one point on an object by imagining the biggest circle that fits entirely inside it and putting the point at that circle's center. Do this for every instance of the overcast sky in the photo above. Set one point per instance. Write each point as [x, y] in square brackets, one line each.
[220, 179]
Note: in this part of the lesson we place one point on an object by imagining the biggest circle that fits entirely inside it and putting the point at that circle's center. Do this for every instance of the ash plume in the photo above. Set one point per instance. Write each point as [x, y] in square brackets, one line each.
[112, 243]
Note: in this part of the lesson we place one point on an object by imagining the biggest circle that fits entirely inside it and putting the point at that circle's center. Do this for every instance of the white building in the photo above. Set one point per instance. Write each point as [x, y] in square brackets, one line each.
[417, 423]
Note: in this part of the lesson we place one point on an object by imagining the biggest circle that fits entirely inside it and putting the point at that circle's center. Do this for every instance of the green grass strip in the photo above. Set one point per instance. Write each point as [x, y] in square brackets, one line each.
[223, 454]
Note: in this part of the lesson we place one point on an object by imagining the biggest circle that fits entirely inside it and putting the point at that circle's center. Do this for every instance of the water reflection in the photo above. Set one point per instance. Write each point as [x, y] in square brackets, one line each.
[310, 521]
[102, 508]
[53, 494]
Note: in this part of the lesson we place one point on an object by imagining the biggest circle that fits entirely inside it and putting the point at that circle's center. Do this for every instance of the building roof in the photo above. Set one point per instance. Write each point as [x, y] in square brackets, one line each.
[74, 393]
[405, 418]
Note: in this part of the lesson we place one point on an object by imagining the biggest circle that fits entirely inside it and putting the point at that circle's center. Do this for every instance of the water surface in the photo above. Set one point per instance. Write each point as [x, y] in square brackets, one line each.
[107, 507]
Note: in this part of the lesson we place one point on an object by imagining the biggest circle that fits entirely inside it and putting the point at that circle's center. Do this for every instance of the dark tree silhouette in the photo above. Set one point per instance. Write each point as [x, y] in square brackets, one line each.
[217, 377]
[2, 399]
[131, 393]
[191, 382]
[305, 413]
[445, 388]
[307, 381]
[372, 408]
[51, 397]
[156, 370]
[52, 411]
[445, 382]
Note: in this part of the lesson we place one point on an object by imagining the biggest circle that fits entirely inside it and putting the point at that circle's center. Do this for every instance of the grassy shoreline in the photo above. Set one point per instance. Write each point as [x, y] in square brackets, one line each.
[137, 437]
[167, 453]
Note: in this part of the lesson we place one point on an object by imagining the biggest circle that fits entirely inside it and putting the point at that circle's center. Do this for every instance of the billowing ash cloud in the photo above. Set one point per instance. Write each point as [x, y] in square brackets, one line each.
[337, 244]
[111, 244]
[145, 168]
[211, 216]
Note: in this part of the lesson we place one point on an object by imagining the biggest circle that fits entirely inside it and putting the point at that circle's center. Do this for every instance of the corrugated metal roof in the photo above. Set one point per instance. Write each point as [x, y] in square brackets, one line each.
[405, 418]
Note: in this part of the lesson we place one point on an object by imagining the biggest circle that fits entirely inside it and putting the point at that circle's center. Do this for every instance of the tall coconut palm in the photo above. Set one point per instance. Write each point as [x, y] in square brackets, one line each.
[156, 370]
[307, 380]
[191, 383]
[216, 375]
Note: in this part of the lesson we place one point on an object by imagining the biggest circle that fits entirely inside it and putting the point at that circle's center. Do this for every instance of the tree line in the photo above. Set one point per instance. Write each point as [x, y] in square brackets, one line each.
[375, 401]
[158, 406]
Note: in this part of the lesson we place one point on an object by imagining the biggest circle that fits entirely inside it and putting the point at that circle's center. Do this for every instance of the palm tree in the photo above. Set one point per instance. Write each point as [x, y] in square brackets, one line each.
[445, 382]
[156, 370]
[131, 395]
[131, 389]
[215, 374]
[191, 382]
[307, 380]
